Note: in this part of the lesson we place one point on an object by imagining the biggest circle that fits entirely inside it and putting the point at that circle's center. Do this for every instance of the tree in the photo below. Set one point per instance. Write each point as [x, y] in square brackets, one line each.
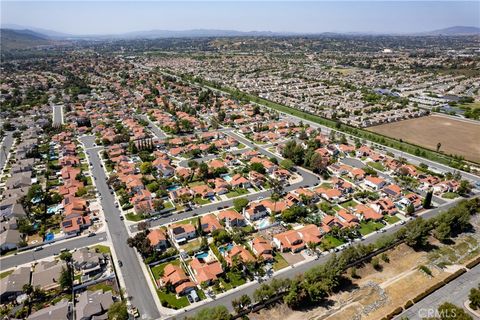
[66, 279]
[416, 233]
[146, 168]
[66, 256]
[474, 298]
[428, 200]
[287, 164]
[214, 313]
[376, 263]
[449, 311]
[464, 188]
[245, 300]
[410, 209]
[439, 145]
[442, 231]
[258, 167]
[240, 203]
[118, 311]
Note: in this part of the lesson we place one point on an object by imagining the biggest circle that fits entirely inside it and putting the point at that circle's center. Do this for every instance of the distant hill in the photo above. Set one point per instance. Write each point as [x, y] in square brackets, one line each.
[22, 39]
[456, 31]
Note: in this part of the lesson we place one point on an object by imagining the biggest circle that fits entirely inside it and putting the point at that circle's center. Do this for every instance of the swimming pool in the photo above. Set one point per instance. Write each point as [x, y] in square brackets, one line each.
[54, 209]
[227, 177]
[173, 188]
[226, 248]
[201, 255]
[264, 223]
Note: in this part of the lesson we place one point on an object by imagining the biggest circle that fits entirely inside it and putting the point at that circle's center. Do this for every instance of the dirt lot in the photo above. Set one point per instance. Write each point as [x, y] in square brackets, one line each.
[379, 292]
[456, 136]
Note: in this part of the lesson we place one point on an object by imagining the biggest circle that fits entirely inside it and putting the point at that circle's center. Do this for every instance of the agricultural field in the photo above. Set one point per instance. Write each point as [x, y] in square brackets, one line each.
[428, 131]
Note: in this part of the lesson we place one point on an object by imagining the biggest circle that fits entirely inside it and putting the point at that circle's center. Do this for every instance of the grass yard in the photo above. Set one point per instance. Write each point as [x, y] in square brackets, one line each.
[369, 227]
[192, 245]
[376, 165]
[102, 249]
[392, 219]
[237, 193]
[169, 299]
[157, 270]
[330, 242]
[133, 217]
[280, 262]
[196, 184]
[102, 285]
[201, 201]
[450, 195]
[236, 279]
[5, 274]
[350, 203]
[168, 205]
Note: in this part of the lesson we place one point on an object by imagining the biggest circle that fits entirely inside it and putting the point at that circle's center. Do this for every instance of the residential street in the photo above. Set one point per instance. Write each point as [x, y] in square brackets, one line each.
[135, 280]
[5, 148]
[50, 250]
[57, 115]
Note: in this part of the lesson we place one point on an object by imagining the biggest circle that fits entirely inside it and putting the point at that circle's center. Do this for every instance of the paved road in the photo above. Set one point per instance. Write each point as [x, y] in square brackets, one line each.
[154, 128]
[57, 115]
[50, 249]
[308, 179]
[135, 281]
[292, 272]
[5, 148]
[455, 292]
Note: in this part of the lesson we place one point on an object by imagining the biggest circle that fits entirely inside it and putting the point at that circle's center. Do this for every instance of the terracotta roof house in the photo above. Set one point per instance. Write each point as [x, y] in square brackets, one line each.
[181, 233]
[238, 251]
[174, 275]
[289, 241]
[232, 218]
[205, 271]
[158, 239]
[384, 206]
[375, 183]
[262, 248]
[310, 233]
[255, 211]
[367, 213]
[210, 223]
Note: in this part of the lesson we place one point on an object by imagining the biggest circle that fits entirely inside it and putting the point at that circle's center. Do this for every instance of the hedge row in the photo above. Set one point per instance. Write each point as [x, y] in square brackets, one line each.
[473, 263]
[455, 275]
[429, 291]
[392, 314]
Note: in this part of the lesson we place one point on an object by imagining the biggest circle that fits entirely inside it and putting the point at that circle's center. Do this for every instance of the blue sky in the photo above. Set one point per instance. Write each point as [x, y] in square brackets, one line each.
[113, 17]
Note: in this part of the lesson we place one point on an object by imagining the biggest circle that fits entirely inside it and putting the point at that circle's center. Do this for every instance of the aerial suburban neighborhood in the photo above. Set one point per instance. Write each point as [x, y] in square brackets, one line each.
[228, 175]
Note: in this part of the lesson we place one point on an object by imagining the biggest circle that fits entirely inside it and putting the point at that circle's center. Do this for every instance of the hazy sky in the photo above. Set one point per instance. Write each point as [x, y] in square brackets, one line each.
[100, 17]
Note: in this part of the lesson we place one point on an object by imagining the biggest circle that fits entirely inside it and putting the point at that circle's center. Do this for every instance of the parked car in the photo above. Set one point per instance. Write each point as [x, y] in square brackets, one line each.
[120, 263]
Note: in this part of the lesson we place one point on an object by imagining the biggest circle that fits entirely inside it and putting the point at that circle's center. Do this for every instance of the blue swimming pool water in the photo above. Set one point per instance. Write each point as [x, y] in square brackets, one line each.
[226, 248]
[227, 177]
[52, 210]
[173, 188]
[49, 236]
[201, 255]
[264, 223]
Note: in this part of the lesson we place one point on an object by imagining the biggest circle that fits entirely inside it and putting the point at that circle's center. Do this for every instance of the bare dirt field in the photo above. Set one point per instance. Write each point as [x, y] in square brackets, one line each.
[378, 292]
[456, 136]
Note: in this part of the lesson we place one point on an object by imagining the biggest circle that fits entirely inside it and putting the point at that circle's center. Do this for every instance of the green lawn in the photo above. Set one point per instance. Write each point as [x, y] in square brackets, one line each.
[450, 195]
[392, 219]
[201, 201]
[192, 245]
[236, 279]
[369, 227]
[6, 273]
[157, 270]
[330, 242]
[237, 192]
[196, 183]
[280, 262]
[169, 299]
[102, 249]
[102, 285]
[326, 185]
[376, 165]
[168, 204]
[133, 217]
[240, 146]
[350, 203]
